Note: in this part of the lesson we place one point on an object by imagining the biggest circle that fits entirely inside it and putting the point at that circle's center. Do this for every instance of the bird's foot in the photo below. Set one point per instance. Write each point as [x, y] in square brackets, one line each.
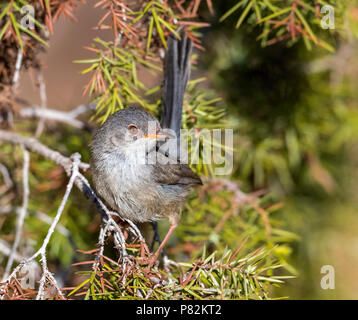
[127, 260]
[153, 260]
[144, 249]
[150, 261]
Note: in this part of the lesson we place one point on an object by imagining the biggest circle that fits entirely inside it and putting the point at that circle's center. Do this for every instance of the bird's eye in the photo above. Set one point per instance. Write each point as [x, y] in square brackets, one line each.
[133, 129]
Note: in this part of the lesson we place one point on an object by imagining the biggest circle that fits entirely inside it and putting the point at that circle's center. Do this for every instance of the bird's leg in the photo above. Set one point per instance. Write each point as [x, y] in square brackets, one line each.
[166, 238]
[173, 224]
[156, 238]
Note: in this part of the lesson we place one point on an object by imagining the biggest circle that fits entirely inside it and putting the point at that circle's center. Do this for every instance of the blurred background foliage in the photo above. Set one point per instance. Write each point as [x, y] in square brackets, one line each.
[287, 87]
[297, 132]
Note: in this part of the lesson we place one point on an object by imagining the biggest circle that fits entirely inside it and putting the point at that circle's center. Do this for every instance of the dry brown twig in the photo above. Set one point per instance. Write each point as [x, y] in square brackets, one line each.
[241, 198]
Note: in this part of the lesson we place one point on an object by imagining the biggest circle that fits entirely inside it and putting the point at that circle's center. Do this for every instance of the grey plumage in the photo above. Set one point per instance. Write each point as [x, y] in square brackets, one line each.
[138, 191]
[144, 192]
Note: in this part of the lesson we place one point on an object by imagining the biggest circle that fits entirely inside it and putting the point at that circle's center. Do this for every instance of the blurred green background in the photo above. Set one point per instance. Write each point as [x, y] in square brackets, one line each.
[297, 136]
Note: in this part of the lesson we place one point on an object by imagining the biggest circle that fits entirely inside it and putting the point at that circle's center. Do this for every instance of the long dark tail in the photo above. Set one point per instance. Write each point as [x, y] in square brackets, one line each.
[176, 75]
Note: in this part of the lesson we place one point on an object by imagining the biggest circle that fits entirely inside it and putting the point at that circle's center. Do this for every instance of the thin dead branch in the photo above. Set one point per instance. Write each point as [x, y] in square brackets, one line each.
[22, 213]
[46, 274]
[34, 145]
[43, 97]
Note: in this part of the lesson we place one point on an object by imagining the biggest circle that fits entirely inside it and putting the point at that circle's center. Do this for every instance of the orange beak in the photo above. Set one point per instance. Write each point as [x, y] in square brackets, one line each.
[158, 135]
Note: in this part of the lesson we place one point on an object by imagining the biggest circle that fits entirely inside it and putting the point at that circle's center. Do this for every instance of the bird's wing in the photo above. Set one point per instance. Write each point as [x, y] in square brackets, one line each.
[168, 170]
[171, 174]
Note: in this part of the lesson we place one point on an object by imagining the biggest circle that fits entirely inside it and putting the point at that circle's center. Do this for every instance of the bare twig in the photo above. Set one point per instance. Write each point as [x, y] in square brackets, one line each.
[82, 109]
[15, 80]
[43, 97]
[6, 176]
[22, 213]
[69, 118]
[46, 275]
[8, 184]
[54, 115]
[5, 249]
[241, 198]
[34, 145]
[40, 215]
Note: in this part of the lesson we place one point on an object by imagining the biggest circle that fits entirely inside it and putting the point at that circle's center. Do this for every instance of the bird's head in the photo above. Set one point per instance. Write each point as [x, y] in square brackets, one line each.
[128, 130]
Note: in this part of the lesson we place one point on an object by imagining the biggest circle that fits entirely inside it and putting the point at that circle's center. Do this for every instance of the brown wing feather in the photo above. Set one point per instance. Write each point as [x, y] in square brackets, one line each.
[175, 174]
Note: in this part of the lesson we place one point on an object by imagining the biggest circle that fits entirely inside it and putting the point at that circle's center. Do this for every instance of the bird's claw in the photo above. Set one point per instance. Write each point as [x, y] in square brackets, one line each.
[151, 261]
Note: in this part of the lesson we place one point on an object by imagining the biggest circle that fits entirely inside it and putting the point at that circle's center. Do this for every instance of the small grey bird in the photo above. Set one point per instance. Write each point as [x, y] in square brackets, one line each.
[123, 148]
